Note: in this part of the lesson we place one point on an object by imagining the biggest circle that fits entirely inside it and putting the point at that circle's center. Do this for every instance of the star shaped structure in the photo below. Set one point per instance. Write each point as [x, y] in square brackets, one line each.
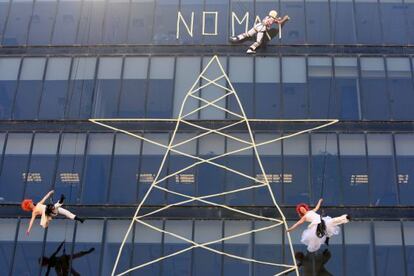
[210, 91]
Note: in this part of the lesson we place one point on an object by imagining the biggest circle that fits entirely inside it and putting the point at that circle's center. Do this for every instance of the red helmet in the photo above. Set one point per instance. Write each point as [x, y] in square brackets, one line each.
[299, 206]
[27, 205]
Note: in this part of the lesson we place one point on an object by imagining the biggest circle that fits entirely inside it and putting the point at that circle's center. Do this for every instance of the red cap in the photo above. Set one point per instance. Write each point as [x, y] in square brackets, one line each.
[299, 206]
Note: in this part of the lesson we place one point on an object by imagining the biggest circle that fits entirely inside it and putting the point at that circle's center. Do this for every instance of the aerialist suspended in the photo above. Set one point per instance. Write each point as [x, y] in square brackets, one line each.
[46, 211]
[320, 228]
[260, 29]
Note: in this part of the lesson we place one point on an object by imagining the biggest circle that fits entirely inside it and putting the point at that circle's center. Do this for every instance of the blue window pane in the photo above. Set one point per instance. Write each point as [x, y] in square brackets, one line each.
[241, 76]
[9, 69]
[18, 23]
[180, 264]
[67, 20]
[42, 21]
[375, 101]
[405, 167]
[55, 89]
[205, 262]
[97, 168]
[214, 20]
[30, 89]
[141, 22]
[294, 30]
[295, 169]
[194, 36]
[28, 249]
[325, 169]
[134, 88]
[354, 169]
[125, 168]
[108, 87]
[358, 249]
[335, 255]
[15, 162]
[81, 88]
[346, 88]
[42, 165]
[343, 25]
[91, 21]
[7, 232]
[394, 31]
[88, 235]
[161, 87]
[410, 21]
[148, 247]
[70, 165]
[409, 245]
[115, 232]
[294, 87]
[401, 88]
[116, 22]
[165, 27]
[368, 22]
[317, 22]
[268, 102]
[321, 95]
[3, 17]
[240, 246]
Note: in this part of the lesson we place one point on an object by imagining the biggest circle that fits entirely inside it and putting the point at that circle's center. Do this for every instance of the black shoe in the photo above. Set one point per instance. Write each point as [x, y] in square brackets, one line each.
[79, 219]
[348, 217]
[62, 198]
[327, 241]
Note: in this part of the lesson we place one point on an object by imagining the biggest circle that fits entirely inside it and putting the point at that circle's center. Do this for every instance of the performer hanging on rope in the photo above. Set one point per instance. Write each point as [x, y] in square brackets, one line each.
[260, 29]
[320, 228]
[46, 212]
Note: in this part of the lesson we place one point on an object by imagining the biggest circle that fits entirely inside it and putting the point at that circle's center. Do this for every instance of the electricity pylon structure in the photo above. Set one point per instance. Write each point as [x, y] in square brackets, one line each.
[198, 99]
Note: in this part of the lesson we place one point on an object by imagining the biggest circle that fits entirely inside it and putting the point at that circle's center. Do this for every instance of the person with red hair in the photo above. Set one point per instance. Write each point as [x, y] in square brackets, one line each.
[46, 211]
[320, 228]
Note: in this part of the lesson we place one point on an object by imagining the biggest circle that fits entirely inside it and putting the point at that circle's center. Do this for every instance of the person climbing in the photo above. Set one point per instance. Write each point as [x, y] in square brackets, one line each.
[320, 228]
[46, 211]
[260, 29]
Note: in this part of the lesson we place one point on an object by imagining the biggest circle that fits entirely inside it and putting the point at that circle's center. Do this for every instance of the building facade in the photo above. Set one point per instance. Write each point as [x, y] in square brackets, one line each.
[65, 62]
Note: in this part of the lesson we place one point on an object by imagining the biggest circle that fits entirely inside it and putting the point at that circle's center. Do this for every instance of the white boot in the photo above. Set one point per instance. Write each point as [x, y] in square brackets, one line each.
[251, 51]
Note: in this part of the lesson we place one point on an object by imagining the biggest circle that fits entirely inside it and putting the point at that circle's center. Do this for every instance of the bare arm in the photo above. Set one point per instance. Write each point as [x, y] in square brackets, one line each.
[299, 222]
[46, 197]
[318, 205]
[31, 223]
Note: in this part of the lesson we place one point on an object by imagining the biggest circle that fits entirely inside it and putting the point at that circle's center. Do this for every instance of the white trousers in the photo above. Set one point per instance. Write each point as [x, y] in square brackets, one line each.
[64, 212]
[252, 32]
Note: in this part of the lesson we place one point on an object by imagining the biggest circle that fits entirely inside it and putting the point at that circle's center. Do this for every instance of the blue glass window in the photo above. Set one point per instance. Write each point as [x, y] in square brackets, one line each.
[335, 255]
[55, 89]
[88, 235]
[326, 181]
[241, 76]
[67, 20]
[116, 22]
[296, 169]
[97, 168]
[141, 21]
[346, 88]
[375, 99]
[410, 21]
[358, 249]
[294, 87]
[7, 234]
[343, 22]
[40, 176]
[405, 167]
[409, 245]
[240, 246]
[70, 165]
[317, 22]
[125, 168]
[81, 88]
[134, 87]
[18, 22]
[4, 4]
[401, 88]
[267, 92]
[91, 22]
[354, 169]
[187, 72]
[393, 19]
[161, 88]
[368, 22]
[42, 21]
[9, 70]
[191, 16]
[14, 170]
[28, 95]
[294, 30]
[165, 22]
[108, 85]
[381, 169]
[321, 94]
[206, 262]
[215, 17]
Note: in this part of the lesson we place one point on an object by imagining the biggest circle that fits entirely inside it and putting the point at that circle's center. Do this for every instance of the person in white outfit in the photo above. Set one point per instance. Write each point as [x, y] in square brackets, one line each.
[320, 229]
[46, 212]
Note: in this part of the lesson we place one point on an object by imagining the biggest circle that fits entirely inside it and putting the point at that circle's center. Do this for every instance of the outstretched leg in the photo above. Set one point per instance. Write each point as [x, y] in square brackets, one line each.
[243, 36]
[340, 220]
[256, 44]
[69, 215]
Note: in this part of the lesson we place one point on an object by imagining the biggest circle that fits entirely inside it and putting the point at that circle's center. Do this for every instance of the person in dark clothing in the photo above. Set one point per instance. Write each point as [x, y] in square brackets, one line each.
[313, 264]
